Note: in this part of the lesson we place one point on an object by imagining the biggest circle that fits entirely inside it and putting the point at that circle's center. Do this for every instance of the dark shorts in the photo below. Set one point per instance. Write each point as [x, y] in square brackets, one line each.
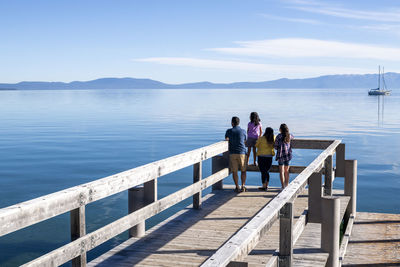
[251, 142]
[284, 163]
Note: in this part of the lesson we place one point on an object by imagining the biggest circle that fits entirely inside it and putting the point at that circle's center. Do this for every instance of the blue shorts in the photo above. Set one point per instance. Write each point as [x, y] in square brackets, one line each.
[284, 163]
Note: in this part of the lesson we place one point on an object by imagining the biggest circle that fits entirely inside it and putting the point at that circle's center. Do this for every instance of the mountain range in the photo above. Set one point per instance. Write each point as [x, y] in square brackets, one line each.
[366, 81]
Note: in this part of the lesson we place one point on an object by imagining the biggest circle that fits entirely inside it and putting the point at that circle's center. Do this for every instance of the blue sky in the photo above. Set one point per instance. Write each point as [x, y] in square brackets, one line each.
[190, 41]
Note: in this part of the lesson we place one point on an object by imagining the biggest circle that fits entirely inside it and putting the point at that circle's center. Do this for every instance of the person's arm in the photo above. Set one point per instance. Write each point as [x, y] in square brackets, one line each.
[276, 145]
[227, 135]
[260, 130]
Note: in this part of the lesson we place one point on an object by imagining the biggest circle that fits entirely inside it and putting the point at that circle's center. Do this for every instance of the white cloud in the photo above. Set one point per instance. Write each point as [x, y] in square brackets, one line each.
[387, 15]
[289, 71]
[311, 48]
[295, 20]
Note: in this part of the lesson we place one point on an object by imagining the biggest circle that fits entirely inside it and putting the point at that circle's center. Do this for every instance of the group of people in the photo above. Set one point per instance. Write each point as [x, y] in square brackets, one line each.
[263, 146]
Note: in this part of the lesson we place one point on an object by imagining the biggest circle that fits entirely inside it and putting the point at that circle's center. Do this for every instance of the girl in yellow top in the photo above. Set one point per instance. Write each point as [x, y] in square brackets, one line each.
[265, 153]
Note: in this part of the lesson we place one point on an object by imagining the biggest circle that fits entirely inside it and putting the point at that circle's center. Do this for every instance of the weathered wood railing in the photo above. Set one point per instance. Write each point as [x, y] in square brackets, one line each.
[141, 183]
[322, 208]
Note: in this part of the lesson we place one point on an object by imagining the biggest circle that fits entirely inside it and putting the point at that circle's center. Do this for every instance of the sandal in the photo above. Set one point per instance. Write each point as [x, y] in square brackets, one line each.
[237, 190]
[263, 188]
[244, 189]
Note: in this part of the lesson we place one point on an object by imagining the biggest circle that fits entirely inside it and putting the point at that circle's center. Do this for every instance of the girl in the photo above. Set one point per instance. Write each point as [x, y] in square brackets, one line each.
[283, 153]
[265, 152]
[254, 131]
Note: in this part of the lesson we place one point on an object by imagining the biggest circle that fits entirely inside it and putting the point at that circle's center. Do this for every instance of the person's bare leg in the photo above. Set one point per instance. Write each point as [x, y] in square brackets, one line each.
[282, 176]
[254, 155]
[236, 179]
[248, 155]
[243, 177]
[286, 175]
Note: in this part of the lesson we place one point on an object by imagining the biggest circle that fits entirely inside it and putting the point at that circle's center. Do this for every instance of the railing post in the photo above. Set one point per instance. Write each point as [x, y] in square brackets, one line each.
[218, 163]
[150, 191]
[330, 229]
[135, 202]
[78, 229]
[197, 173]
[340, 160]
[328, 176]
[314, 197]
[350, 187]
[286, 235]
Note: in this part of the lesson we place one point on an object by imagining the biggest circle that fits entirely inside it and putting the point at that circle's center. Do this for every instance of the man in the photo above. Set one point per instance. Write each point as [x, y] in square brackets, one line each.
[237, 153]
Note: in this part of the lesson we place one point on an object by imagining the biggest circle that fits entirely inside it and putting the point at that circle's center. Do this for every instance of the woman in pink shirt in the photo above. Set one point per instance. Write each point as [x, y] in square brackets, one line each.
[254, 131]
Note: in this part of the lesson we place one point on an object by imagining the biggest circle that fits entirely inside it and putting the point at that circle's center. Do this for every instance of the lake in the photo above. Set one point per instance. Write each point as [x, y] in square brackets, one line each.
[52, 140]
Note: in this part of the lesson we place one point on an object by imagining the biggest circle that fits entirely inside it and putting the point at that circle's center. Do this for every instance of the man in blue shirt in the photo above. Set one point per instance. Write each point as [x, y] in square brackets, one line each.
[237, 153]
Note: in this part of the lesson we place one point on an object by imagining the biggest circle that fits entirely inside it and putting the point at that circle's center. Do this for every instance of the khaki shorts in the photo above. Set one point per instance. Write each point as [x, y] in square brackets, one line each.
[237, 162]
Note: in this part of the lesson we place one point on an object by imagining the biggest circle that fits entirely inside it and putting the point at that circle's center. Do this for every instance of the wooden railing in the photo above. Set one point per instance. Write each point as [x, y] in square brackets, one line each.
[322, 208]
[141, 183]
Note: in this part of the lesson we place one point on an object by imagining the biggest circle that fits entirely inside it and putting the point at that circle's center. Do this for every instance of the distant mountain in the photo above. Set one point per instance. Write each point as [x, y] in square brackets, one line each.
[366, 81]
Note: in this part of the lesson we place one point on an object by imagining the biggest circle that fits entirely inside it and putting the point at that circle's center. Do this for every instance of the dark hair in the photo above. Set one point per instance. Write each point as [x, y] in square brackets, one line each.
[269, 135]
[235, 121]
[254, 118]
[285, 133]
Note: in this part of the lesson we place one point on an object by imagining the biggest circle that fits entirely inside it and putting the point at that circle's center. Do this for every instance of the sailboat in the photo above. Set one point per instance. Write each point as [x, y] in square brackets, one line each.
[379, 90]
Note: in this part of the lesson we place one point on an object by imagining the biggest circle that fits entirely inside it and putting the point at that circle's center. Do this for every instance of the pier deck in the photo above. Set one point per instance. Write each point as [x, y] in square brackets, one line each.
[191, 236]
[374, 240]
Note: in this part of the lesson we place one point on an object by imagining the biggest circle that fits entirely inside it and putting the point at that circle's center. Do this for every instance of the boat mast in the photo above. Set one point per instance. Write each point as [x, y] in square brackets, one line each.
[379, 78]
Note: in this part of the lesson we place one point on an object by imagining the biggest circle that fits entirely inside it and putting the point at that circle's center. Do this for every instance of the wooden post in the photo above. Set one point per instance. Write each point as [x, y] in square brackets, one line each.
[330, 229]
[217, 164]
[314, 197]
[328, 176]
[78, 229]
[286, 235]
[340, 159]
[350, 187]
[135, 202]
[150, 191]
[197, 173]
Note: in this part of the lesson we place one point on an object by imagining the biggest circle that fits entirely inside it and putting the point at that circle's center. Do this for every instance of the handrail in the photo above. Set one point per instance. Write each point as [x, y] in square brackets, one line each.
[30, 212]
[247, 237]
[93, 239]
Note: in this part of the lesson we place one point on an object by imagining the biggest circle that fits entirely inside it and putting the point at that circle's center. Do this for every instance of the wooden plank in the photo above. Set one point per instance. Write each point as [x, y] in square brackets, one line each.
[340, 159]
[136, 201]
[330, 228]
[286, 235]
[300, 143]
[218, 163]
[328, 185]
[78, 229]
[374, 240]
[345, 239]
[314, 198]
[36, 210]
[247, 238]
[91, 240]
[350, 185]
[197, 173]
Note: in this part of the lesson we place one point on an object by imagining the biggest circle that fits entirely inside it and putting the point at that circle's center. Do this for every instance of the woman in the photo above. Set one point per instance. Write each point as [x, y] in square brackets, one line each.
[254, 131]
[265, 152]
[283, 153]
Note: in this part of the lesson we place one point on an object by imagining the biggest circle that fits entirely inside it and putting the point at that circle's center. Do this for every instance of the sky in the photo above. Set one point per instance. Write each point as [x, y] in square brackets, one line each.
[190, 41]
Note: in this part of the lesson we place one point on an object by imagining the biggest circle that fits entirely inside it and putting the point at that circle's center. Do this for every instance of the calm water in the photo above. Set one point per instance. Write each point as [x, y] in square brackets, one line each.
[52, 140]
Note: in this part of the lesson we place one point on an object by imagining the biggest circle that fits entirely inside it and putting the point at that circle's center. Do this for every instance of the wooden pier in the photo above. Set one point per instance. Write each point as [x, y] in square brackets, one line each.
[298, 226]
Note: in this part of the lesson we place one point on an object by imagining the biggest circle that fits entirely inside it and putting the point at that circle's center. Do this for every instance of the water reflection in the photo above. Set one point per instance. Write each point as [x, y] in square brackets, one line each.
[381, 109]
